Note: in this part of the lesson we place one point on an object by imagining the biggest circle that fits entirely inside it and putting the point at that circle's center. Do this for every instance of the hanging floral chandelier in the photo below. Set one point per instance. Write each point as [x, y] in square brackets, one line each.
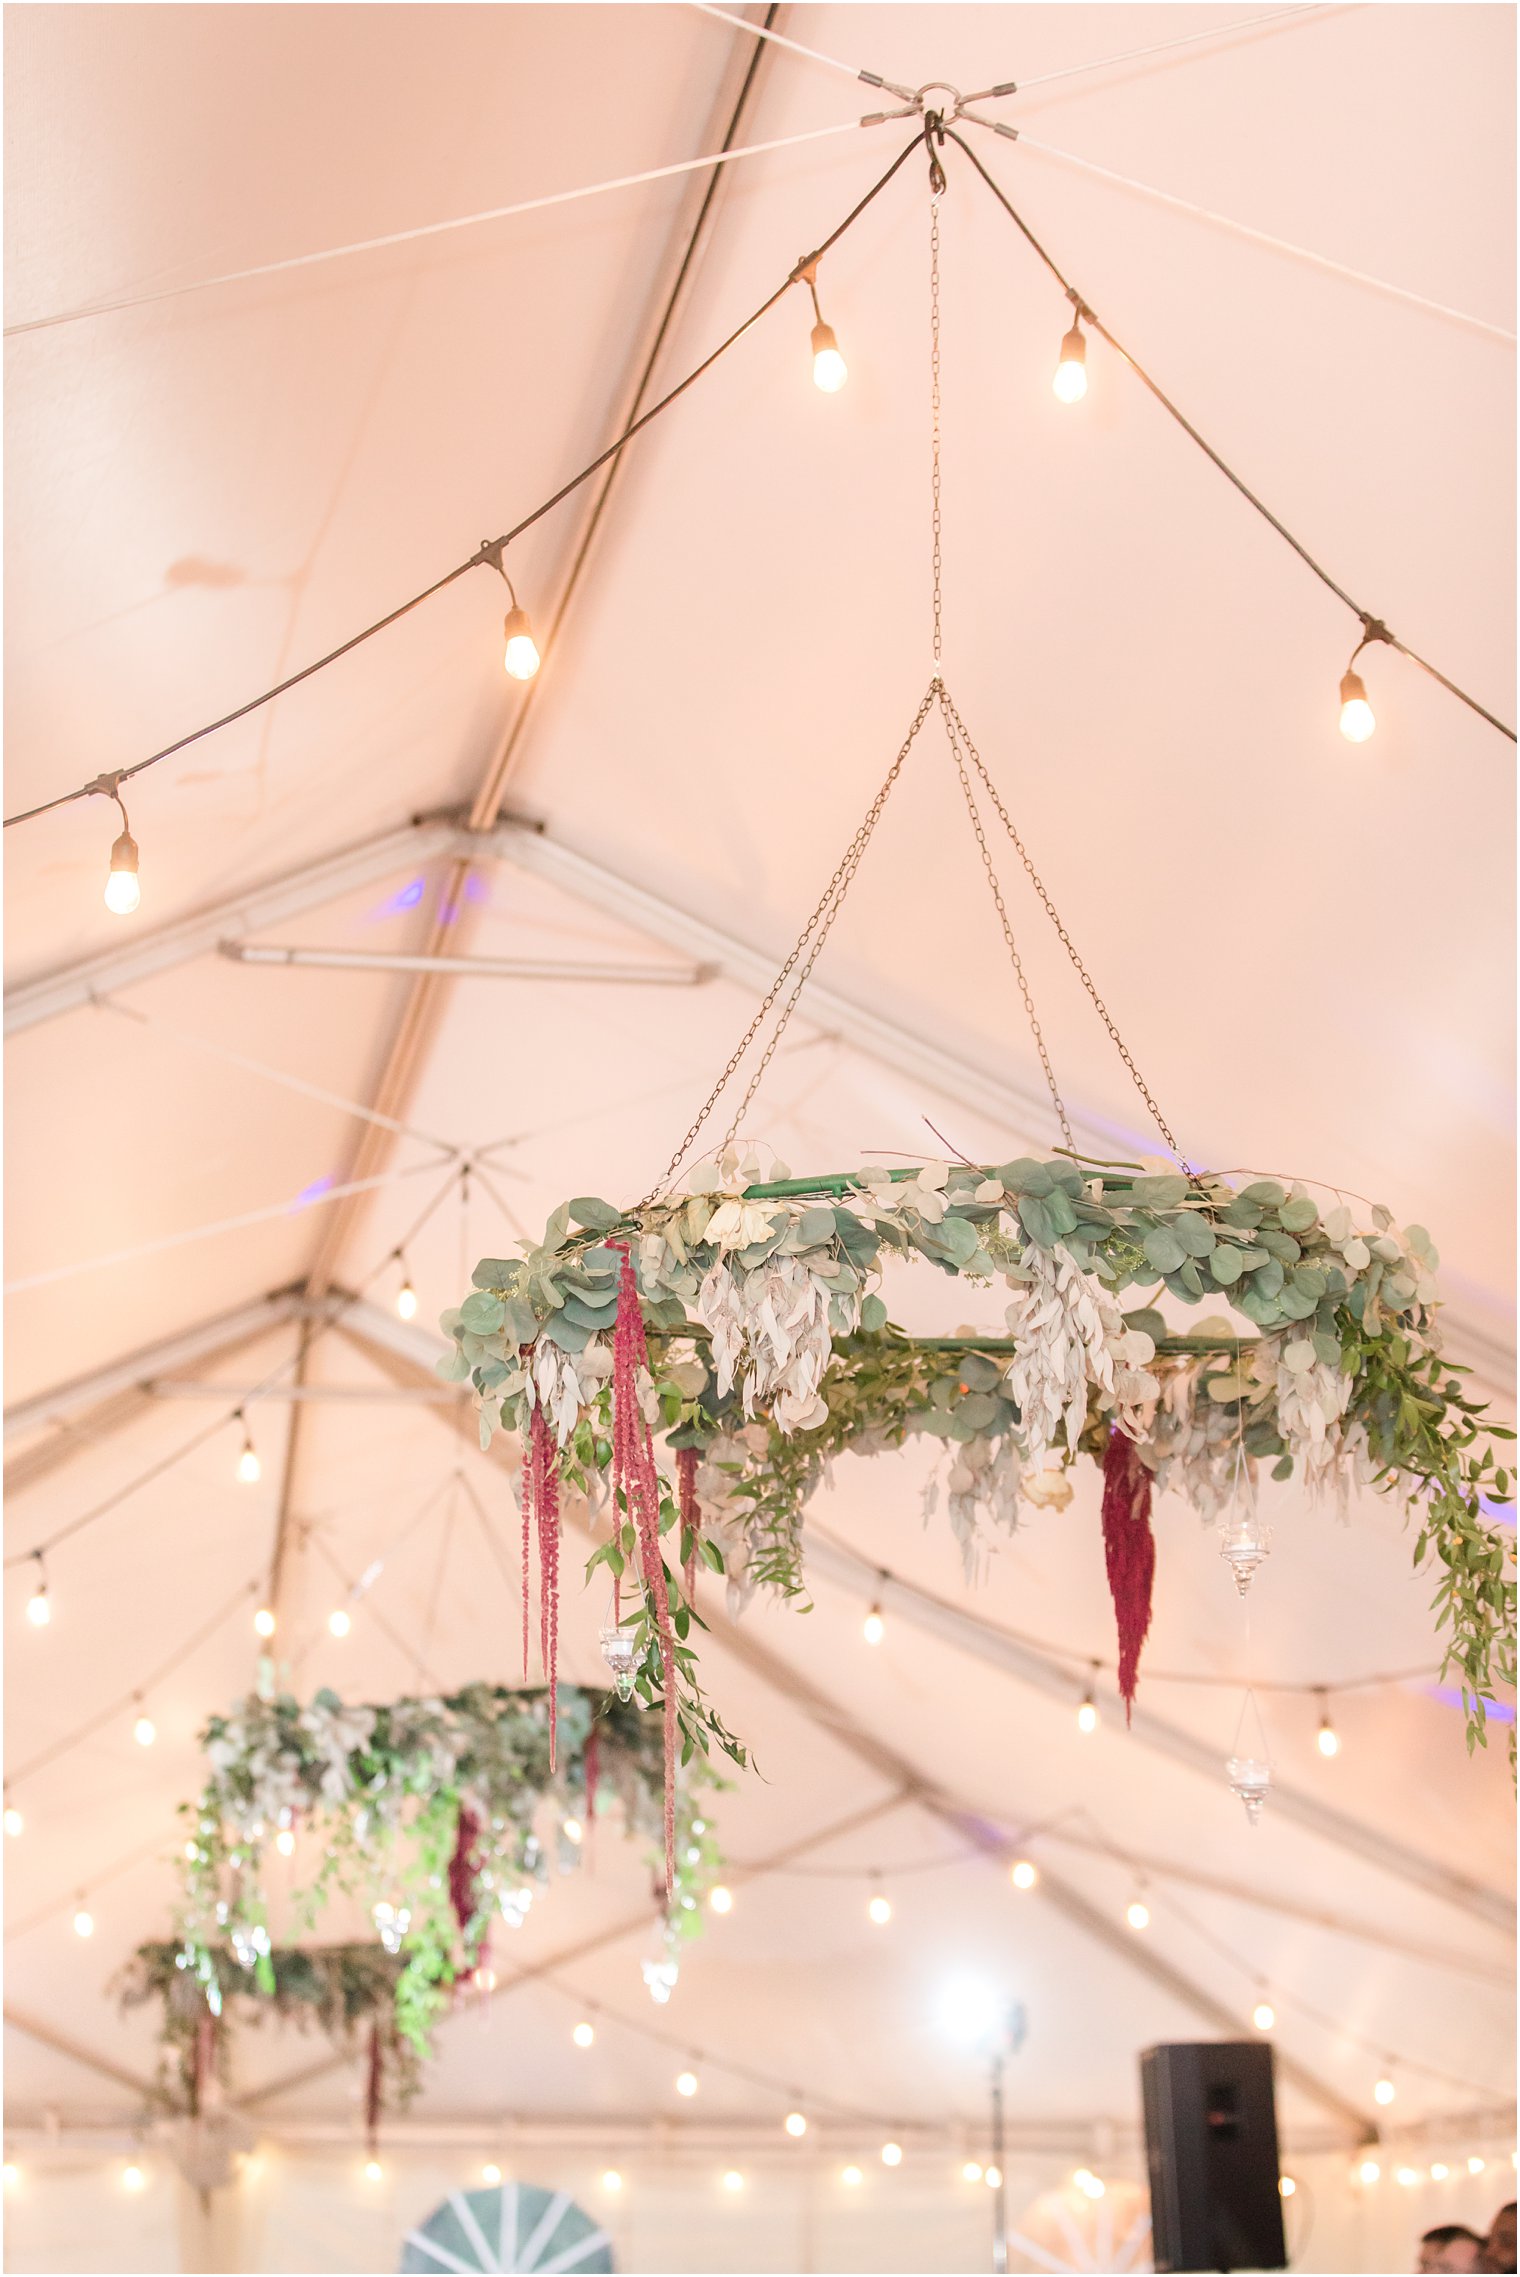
[738, 1318]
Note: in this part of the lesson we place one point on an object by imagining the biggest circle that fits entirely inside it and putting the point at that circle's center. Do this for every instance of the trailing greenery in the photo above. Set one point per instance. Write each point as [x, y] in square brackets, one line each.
[441, 1815]
[771, 1352]
[342, 1989]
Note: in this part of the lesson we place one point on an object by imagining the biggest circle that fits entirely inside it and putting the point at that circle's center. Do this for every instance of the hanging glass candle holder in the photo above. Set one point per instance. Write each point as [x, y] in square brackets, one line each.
[620, 1651]
[1249, 1768]
[1243, 1543]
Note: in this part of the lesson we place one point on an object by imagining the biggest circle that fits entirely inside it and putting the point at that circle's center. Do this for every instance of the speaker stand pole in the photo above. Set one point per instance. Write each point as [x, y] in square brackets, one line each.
[999, 2195]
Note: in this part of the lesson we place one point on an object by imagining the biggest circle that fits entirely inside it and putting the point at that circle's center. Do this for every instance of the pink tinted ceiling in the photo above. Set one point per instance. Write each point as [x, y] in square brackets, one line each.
[1309, 946]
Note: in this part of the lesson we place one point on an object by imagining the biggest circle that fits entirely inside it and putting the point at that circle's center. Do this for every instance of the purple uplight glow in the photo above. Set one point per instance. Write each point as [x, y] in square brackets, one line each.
[405, 897]
[1494, 1711]
[312, 1193]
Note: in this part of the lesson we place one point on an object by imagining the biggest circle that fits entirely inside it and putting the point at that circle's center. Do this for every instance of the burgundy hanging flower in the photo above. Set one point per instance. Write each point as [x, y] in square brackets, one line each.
[1129, 1548]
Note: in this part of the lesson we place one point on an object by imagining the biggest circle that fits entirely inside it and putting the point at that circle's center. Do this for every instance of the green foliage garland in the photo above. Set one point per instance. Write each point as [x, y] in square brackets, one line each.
[772, 1351]
[383, 1788]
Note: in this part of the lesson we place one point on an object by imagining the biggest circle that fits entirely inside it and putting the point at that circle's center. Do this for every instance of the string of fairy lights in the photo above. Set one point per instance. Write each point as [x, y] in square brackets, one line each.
[521, 652]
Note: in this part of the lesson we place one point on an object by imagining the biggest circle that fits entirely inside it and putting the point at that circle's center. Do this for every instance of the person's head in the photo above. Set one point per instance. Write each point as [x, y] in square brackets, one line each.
[1452, 2248]
[1499, 2246]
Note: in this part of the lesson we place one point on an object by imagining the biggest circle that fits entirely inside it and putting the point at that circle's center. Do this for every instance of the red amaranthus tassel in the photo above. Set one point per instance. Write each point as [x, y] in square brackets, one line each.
[635, 1475]
[691, 1514]
[463, 1867]
[373, 2091]
[540, 1514]
[1129, 1548]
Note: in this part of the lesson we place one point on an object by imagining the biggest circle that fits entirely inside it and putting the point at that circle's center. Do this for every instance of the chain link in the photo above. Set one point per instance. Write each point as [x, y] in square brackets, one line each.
[1007, 924]
[953, 716]
[821, 920]
[935, 520]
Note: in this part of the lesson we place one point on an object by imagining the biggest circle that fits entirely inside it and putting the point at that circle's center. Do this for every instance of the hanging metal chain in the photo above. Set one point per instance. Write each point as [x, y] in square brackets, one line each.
[1120, 1046]
[820, 922]
[1007, 924]
[936, 526]
[935, 518]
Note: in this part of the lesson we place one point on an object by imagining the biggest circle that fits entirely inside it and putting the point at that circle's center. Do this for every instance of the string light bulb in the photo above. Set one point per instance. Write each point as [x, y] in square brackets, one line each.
[1476, 2165]
[720, 1899]
[852, 2178]
[1264, 2016]
[1137, 1913]
[971, 2171]
[145, 1730]
[490, 2173]
[686, 2083]
[584, 2034]
[993, 2178]
[612, 2181]
[1439, 2170]
[1286, 2186]
[830, 371]
[1369, 2171]
[39, 1606]
[1383, 2090]
[1327, 1739]
[373, 2170]
[249, 1469]
[1358, 719]
[285, 1842]
[14, 1822]
[132, 2177]
[879, 1909]
[263, 1622]
[340, 1621]
[84, 1922]
[520, 656]
[1069, 380]
[733, 2179]
[406, 1295]
[573, 1831]
[873, 1628]
[1024, 1874]
[123, 891]
[795, 2123]
[891, 2154]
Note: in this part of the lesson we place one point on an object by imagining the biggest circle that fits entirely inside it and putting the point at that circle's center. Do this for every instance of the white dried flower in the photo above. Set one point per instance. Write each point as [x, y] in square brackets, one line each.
[773, 1325]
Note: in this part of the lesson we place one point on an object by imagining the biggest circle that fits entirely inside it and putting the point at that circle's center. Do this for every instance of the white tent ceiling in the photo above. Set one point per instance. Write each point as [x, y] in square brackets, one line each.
[1308, 945]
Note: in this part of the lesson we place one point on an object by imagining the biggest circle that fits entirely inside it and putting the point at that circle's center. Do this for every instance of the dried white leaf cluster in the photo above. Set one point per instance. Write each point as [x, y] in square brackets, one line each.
[770, 1334]
[1070, 1334]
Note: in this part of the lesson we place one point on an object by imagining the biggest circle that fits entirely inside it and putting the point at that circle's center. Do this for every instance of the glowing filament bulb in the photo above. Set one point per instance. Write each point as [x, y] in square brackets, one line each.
[720, 1900]
[612, 2182]
[1369, 2170]
[1384, 2090]
[971, 2172]
[1286, 2186]
[583, 2035]
[1264, 2016]
[1476, 2165]
[522, 657]
[733, 2180]
[1357, 716]
[1070, 377]
[39, 1610]
[373, 2170]
[993, 2178]
[490, 2173]
[132, 2177]
[84, 1923]
[686, 2083]
[1087, 1716]
[1327, 1739]
[145, 1731]
[1439, 2171]
[14, 1822]
[880, 1910]
[873, 1628]
[1024, 1874]
[1138, 1914]
[891, 2154]
[263, 1622]
[123, 893]
[285, 1842]
[573, 1831]
[830, 371]
[340, 1622]
[852, 2178]
[406, 1300]
[249, 1469]
[796, 2125]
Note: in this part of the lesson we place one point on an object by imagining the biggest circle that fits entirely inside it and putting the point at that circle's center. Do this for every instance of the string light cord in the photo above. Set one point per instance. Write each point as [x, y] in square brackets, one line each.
[488, 553]
[427, 229]
[149, 1683]
[220, 1423]
[1085, 312]
[1163, 47]
[1264, 238]
[1082, 1662]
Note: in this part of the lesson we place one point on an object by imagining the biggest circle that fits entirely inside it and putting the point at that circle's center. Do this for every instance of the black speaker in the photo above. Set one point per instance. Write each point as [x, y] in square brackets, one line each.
[1211, 2147]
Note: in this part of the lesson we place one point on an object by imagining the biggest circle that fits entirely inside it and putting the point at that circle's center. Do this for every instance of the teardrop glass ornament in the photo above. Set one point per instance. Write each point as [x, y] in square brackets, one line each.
[1250, 1777]
[620, 1651]
[1243, 1543]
